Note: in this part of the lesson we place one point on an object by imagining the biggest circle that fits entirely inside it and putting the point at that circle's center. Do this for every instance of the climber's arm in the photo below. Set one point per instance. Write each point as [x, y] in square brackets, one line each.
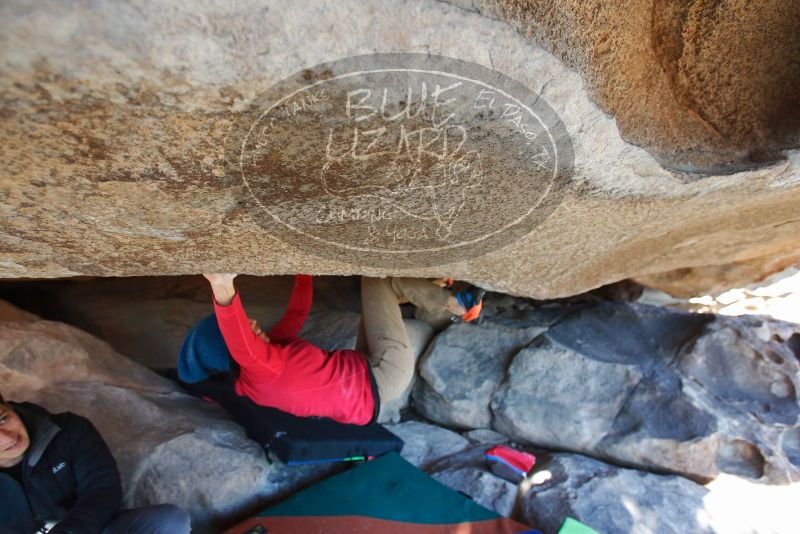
[296, 311]
[249, 350]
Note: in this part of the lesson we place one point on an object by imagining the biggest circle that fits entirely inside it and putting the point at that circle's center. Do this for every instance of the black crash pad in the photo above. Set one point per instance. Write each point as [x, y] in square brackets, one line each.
[293, 439]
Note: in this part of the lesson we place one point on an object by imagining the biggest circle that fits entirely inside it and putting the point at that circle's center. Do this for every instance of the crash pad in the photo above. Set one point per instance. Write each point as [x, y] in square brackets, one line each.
[293, 439]
[387, 495]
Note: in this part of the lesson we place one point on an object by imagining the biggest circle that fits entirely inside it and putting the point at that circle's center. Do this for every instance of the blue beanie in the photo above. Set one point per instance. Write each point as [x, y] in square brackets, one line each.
[203, 352]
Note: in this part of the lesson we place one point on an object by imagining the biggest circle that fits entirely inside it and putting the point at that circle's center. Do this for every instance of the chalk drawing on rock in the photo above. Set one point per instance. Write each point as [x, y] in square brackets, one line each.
[400, 160]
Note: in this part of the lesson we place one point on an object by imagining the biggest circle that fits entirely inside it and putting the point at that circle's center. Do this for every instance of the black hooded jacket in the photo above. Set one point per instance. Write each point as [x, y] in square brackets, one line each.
[68, 475]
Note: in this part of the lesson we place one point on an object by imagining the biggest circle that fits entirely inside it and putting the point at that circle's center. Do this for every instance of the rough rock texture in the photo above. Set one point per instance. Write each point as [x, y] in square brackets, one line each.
[9, 312]
[605, 497]
[486, 436]
[716, 279]
[465, 364]
[456, 390]
[114, 117]
[162, 438]
[610, 499]
[426, 443]
[641, 385]
[689, 80]
[467, 472]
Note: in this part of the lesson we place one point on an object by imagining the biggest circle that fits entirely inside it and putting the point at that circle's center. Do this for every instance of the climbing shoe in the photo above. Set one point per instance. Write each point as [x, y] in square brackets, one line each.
[472, 301]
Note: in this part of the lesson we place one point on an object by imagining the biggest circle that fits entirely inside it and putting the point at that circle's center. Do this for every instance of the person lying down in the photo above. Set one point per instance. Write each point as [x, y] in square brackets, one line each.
[276, 368]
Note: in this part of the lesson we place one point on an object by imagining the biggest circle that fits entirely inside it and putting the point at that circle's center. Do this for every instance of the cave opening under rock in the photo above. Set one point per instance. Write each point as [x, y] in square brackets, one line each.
[597, 385]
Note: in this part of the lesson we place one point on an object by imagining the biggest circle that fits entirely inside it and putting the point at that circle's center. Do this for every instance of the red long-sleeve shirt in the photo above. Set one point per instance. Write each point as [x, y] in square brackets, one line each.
[291, 374]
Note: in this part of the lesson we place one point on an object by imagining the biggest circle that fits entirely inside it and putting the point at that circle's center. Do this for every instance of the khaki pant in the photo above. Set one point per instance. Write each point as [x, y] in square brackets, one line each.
[382, 334]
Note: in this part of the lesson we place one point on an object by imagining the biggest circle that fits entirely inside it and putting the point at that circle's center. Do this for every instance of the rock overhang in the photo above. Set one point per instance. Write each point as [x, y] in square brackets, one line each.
[114, 159]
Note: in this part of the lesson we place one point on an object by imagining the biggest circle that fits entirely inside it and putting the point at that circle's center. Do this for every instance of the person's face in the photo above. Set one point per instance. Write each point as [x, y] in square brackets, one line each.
[14, 440]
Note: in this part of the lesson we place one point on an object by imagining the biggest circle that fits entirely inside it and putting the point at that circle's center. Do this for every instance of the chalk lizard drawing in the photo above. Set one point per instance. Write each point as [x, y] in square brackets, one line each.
[421, 184]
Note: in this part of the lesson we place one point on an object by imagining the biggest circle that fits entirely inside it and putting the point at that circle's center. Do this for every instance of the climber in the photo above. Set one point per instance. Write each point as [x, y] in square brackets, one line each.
[57, 475]
[280, 370]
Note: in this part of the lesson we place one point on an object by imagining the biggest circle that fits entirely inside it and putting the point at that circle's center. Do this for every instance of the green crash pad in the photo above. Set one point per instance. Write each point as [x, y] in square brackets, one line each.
[387, 495]
[572, 526]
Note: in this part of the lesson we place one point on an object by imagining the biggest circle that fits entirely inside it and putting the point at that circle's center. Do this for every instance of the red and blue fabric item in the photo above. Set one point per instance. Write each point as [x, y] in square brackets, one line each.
[509, 463]
[291, 374]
